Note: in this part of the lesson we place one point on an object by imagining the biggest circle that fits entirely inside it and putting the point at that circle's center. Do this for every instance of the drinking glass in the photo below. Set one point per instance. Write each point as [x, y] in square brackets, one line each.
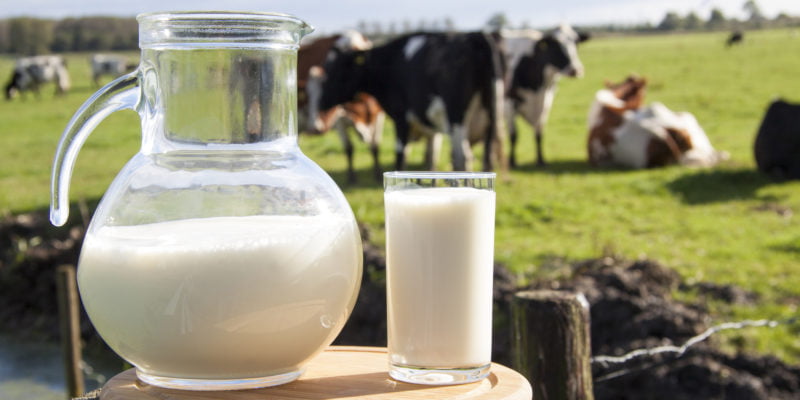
[439, 270]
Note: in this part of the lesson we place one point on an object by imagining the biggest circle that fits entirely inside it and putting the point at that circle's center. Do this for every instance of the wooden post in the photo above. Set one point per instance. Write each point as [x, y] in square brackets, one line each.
[69, 321]
[551, 343]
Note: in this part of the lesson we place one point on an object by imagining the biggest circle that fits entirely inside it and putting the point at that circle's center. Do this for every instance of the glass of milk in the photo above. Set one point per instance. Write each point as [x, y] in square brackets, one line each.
[439, 271]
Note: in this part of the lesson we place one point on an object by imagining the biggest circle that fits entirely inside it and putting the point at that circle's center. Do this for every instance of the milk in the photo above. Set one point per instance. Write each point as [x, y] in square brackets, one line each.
[221, 298]
[439, 260]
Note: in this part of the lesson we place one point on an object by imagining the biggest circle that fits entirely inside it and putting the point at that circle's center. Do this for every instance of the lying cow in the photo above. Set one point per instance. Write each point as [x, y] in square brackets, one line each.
[107, 64]
[32, 72]
[622, 132]
[777, 144]
[428, 83]
[363, 113]
[535, 62]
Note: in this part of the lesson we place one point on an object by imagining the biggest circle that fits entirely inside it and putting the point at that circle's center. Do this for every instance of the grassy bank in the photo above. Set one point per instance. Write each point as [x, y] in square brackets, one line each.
[728, 224]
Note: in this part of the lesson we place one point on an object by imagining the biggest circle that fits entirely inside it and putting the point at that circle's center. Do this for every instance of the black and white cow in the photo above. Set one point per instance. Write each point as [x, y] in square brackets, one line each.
[777, 144]
[428, 83]
[535, 62]
[107, 64]
[31, 72]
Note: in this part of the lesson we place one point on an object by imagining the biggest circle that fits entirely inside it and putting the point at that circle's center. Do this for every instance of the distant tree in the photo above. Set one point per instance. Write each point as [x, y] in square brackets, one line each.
[671, 21]
[753, 10]
[362, 26]
[449, 25]
[497, 22]
[406, 26]
[716, 20]
[30, 36]
[5, 39]
[692, 21]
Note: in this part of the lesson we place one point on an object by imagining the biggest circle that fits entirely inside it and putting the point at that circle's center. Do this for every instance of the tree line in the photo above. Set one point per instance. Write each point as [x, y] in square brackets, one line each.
[31, 36]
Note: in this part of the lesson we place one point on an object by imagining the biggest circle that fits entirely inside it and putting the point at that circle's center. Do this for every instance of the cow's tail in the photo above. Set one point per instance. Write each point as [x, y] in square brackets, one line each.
[497, 132]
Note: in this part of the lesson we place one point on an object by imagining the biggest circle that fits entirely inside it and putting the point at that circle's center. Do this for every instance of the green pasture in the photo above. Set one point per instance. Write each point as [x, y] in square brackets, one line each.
[727, 224]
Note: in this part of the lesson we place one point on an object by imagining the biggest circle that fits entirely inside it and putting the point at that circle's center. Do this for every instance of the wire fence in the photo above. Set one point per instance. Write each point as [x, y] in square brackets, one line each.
[678, 351]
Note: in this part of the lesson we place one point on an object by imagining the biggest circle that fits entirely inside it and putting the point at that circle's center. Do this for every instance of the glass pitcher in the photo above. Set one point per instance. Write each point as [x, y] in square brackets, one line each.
[220, 257]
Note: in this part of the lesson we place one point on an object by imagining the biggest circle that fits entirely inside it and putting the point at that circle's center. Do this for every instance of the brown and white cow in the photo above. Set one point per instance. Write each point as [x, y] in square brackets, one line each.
[623, 132]
[32, 72]
[363, 113]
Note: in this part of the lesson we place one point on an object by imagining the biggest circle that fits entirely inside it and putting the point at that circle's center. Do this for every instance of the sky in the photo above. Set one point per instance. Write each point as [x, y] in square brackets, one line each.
[332, 16]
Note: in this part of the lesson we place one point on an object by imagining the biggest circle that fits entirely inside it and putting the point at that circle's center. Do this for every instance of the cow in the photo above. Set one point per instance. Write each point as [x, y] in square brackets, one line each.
[31, 72]
[623, 132]
[363, 113]
[429, 84]
[535, 62]
[107, 64]
[735, 37]
[777, 144]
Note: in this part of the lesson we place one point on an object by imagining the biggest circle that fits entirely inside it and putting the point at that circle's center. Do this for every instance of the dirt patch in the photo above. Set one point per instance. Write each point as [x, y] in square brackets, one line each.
[30, 251]
[631, 308]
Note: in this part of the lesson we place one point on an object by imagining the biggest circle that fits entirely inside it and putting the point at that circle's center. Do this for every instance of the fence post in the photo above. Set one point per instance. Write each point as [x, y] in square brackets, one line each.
[69, 321]
[551, 343]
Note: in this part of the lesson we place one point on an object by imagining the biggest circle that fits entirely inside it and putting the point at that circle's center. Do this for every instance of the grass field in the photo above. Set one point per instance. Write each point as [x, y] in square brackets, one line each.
[728, 224]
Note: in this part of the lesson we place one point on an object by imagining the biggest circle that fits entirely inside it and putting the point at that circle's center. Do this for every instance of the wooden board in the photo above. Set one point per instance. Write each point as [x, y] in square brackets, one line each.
[337, 373]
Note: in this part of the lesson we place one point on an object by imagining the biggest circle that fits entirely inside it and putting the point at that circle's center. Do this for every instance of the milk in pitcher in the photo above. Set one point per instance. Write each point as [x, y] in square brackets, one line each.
[265, 290]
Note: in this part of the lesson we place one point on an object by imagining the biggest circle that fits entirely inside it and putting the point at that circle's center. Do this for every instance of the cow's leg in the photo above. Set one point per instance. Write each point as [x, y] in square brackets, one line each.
[401, 139]
[375, 144]
[539, 157]
[433, 148]
[460, 149]
[347, 144]
[512, 136]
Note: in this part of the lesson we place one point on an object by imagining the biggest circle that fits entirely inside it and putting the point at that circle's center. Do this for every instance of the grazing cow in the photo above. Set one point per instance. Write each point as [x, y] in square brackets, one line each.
[429, 84]
[777, 144]
[735, 37]
[107, 64]
[31, 72]
[622, 132]
[535, 62]
[363, 113]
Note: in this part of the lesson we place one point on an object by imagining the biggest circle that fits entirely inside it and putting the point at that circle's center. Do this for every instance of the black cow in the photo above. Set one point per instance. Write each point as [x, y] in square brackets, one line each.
[735, 37]
[535, 63]
[777, 145]
[428, 83]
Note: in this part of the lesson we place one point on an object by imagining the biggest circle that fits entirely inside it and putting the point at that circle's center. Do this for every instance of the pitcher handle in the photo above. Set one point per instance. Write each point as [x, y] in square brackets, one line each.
[119, 94]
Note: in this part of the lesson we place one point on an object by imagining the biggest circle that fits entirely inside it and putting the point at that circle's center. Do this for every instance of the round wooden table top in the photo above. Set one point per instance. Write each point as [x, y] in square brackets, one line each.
[337, 373]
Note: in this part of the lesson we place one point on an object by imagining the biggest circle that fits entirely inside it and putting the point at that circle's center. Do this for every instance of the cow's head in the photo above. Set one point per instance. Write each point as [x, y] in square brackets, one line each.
[630, 92]
[561, 48]
[337, 82]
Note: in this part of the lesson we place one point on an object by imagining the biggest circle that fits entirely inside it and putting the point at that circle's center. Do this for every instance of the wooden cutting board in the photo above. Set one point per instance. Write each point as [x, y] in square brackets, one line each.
[337, 373]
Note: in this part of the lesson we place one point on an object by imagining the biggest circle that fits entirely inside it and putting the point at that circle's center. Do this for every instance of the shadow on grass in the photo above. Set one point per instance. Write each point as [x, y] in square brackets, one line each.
[717, 185]
[792, 248]
[568, 167]
[365, 178]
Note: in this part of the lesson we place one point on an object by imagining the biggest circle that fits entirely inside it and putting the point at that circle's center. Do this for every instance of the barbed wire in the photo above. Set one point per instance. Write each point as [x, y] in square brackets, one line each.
[90, 373]
[605, 361]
